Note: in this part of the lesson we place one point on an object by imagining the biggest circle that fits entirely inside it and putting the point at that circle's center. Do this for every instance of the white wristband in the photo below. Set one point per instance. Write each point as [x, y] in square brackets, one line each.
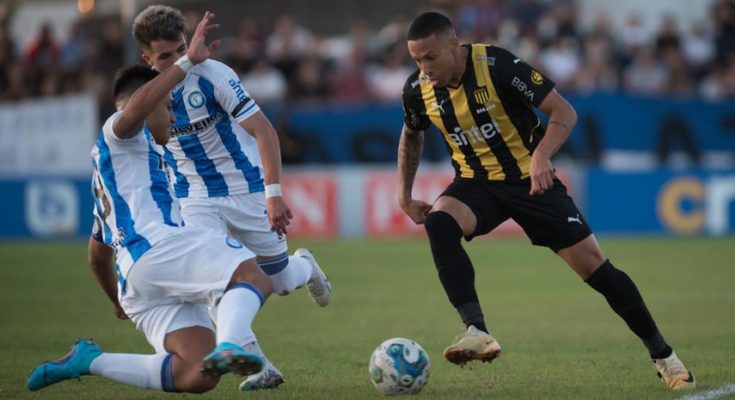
[273, 190]
[184, 63]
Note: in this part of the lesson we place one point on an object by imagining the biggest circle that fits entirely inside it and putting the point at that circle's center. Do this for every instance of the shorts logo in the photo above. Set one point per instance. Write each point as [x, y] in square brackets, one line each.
[196, 99]
[537, 78]
[232, 242]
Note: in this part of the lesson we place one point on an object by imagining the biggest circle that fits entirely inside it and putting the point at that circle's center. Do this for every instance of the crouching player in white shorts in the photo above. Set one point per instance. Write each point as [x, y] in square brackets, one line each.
[225, 158]
[166, 272]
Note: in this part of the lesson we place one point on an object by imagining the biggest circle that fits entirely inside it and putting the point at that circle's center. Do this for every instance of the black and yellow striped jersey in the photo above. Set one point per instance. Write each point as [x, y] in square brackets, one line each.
[487, 121]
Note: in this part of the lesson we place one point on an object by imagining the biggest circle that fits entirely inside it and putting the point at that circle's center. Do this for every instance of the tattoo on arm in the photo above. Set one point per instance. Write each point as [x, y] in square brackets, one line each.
[565, 126]
[409, 155]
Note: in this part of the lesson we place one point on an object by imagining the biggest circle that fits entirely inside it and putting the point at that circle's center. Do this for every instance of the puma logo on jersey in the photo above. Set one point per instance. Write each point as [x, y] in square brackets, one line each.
[439, 105]
[574, 219]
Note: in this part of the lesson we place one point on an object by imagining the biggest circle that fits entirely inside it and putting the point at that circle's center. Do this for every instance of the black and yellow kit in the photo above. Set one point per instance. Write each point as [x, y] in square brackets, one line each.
[488, 122]
[490, 129]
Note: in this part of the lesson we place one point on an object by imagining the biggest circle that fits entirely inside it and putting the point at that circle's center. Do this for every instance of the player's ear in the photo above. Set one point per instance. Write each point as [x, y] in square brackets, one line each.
[147, 58]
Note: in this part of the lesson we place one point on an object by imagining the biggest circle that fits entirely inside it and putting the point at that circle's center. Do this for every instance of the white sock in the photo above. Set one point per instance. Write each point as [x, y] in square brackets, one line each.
[139, 370]
[296, 274]
[236, 311]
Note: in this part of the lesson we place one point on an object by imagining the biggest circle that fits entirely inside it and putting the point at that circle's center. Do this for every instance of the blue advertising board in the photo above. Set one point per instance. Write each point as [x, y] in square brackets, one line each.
[45, 207]
[685, 202]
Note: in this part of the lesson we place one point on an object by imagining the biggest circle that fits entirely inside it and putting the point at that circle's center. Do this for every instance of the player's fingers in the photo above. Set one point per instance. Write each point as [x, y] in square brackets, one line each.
[214, 45]
[289, 213]
[534, 187]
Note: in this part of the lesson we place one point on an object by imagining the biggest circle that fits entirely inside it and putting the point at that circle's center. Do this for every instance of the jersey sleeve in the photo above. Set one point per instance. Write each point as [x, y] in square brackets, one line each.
[414, 110]
[231, 94]
[109, 132]
[520, 80]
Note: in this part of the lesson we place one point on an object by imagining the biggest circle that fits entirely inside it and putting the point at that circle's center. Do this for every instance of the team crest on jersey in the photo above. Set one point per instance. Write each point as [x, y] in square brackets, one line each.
[537, 78]
[196, 99]
[232, 242]
[482, 96]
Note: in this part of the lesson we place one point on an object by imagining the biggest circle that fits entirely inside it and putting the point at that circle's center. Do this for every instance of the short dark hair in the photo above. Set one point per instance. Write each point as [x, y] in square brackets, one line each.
[429, 23]
[157, 22]
[129, 79]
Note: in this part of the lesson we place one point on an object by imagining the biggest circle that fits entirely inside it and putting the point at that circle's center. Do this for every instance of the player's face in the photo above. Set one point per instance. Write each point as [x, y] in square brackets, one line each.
[161, 118]
[164, 53]
[434, 57]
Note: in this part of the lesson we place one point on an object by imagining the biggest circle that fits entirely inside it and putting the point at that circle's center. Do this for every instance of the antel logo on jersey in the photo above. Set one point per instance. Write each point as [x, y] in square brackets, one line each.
[196, 99]
[474, 134]
[522, 87]
[239, 91]
[192, 128]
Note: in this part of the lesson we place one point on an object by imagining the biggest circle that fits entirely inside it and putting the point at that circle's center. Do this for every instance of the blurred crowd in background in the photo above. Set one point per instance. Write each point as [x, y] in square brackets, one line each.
[288, 63]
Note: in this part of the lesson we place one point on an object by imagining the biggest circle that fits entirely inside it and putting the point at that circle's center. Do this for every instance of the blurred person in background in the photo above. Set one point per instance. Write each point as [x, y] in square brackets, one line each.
[480, 97]
[42, 62]
[645, 74]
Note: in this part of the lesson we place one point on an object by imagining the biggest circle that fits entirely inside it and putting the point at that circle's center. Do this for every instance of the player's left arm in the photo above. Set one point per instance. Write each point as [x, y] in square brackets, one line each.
[261, 128]
[526, 84]
[562, 119]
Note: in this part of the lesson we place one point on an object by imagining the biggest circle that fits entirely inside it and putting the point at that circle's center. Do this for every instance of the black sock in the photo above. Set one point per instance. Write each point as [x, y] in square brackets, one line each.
[624, 298]
[454, 267]
[471, 314]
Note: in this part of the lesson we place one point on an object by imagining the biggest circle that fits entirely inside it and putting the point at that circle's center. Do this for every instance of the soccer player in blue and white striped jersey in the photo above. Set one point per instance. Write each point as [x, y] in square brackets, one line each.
[166, 272]
[225, 158]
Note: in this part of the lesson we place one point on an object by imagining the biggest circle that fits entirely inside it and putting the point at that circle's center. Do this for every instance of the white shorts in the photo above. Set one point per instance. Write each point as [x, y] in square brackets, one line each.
[172, 284]
[243, 216]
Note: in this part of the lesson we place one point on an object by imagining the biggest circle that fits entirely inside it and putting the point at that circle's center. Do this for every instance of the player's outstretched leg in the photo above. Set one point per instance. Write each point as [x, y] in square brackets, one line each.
[71, 366]
[247, 291]
[177, 371]
[623, 296]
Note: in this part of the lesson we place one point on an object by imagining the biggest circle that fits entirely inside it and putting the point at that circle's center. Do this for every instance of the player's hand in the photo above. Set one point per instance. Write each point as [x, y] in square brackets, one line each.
[542, 174]
[416, 210]
[119, 312]
[279, 214]
[198, 50]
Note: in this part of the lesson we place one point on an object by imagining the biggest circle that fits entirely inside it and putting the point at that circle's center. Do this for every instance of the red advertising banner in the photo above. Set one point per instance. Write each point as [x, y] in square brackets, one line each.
[312, 197]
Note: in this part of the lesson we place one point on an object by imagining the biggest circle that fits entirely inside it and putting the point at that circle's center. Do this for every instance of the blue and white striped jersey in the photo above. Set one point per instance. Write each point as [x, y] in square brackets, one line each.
[209, 153]
[132, 195]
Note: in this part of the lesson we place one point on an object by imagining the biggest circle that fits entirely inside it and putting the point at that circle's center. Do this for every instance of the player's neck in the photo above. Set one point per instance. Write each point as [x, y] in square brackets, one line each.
[461, 66]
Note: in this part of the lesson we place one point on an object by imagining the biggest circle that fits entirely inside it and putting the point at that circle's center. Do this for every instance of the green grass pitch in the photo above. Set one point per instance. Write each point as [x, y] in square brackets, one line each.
[559, 338]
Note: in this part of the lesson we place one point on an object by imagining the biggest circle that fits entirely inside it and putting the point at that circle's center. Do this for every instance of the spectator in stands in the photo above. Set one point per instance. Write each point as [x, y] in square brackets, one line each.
[645, 75]
[42, 61]
[265, 83]
[288, 43]
[561, 61]
[386, 78]
[247, 47]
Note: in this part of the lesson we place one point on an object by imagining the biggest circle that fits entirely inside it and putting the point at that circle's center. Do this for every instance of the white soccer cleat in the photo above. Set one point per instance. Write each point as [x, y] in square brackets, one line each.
[269, 378]
[471, 345]
[318, 286]
[673, 373]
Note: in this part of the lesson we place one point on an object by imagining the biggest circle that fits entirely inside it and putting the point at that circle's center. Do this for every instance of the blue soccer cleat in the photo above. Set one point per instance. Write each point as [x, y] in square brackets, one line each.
[229, 357]
[73, 365]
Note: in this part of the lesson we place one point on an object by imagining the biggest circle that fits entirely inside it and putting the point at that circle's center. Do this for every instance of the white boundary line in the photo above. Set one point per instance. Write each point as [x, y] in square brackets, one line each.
[712, 393]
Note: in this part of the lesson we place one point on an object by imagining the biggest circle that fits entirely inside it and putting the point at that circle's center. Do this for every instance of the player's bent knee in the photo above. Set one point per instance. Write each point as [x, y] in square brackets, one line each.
[441, 226]
[248, 271]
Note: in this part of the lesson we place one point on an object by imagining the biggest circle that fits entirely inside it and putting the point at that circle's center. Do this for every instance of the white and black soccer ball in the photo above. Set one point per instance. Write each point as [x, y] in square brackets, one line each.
[399, 366]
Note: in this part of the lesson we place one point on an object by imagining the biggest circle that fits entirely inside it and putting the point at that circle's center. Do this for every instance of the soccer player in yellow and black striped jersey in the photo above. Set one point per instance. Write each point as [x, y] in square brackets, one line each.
[481, 98]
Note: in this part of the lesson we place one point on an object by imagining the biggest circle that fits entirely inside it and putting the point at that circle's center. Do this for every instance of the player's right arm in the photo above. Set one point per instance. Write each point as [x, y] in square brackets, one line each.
[149, 96]
[101, 263]
[409, 151]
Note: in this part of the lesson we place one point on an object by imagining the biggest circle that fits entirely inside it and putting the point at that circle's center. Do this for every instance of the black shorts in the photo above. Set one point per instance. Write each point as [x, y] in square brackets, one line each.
[550, 219]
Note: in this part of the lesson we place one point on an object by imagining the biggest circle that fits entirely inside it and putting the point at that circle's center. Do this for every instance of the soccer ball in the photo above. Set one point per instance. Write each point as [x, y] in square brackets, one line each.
[399, 366]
